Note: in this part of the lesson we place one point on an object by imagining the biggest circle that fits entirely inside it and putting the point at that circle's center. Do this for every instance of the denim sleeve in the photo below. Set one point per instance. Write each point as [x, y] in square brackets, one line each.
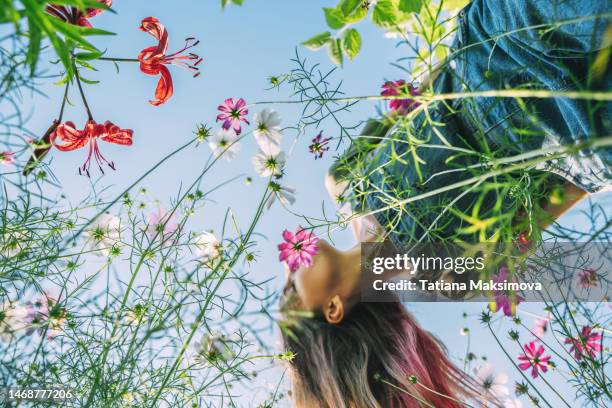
[549, 45]
[556, 28]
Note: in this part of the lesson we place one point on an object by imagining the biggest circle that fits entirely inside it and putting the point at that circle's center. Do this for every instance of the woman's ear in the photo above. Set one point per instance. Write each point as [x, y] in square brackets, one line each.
[334, 310]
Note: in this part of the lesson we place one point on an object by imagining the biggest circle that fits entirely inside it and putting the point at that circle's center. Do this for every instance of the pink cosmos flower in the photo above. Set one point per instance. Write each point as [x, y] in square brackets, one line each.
[232, 113]
[396, 88]
[319, 145]
[504, 301]
[532, 358]
[161, 223]
[586, 341]
[7, 158]
[540, 326]
[44, 313]
[588, 278]
[153, 60]
[298, 249]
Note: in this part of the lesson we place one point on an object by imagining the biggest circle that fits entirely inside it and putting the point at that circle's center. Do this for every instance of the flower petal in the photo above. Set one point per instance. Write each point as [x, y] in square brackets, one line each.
[92, 12]
[116, 135]
[73, 138]
[152, 26]
[164, 89]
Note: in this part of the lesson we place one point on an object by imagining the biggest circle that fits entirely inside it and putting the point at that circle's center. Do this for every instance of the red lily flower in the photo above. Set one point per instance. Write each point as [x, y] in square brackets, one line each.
[75, 139]
[153, 59]
[75, 16]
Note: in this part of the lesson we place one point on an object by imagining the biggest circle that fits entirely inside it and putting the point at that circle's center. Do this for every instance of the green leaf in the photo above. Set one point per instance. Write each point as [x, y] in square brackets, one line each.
[33, 45]
[71, 32]
[34, 11]
[88, 56]
[91, 31]
[357, 15]
[88, 81]
[348, 7]
[62, 81]
[352, 43]
[455, 4]
[317, 41]
[385, 14]
[410, 6]
[334, 18]
[86, 65]
[234, 2]
[8, 13]
[335, 52]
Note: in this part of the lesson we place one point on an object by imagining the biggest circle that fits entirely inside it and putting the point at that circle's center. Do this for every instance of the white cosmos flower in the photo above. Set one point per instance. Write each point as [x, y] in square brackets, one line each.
[12, 319]
[104, 234]
[13, 243]
[207, 246]
[213, 349]
[224, 142]
[267, 165]
[137, 314]
[267, 131]
[284, 194]
[491, 381]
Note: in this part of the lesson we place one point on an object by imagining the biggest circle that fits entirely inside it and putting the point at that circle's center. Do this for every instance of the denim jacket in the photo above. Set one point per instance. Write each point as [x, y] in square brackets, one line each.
[500, 44]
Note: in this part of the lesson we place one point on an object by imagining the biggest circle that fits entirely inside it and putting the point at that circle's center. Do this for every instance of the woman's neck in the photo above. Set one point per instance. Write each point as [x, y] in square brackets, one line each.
[350, 263]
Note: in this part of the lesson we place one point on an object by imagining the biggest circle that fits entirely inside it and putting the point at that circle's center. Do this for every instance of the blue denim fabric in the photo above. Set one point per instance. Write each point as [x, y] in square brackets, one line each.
[494, 50]
[502, 53]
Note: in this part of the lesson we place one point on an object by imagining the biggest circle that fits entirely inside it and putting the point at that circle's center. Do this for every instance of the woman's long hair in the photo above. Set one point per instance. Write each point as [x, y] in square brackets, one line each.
[376, 357]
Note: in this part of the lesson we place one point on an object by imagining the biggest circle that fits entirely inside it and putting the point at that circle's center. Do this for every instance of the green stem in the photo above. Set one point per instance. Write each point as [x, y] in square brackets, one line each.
[78, 81]
[496, 93]
[515, 366]
[550, 386]
[64, 99]
[444, 395]
[118, 59]
[209, 298]
[416, 397]
[141, 261]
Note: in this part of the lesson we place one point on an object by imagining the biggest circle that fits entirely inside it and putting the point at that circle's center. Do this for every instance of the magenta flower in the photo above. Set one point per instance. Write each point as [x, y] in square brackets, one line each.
[588, 278]
[532, 358]
[232, 113]
[298, 249]
[319, 145]
[397, 88]
[586, 341]
[7, 158]
[503, 300]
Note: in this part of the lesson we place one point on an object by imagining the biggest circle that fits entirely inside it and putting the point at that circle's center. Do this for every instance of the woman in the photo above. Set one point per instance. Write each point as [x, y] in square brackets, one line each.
[455, 169]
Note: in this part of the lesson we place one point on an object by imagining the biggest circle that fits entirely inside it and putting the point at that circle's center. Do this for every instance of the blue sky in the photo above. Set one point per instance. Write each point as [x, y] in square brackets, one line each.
[241, 47]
